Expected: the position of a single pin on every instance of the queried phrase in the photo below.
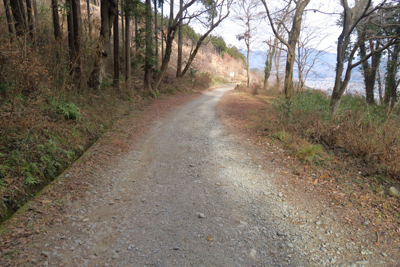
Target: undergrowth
(365, 131)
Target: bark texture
(108, 11)
(18, 11)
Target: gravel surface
(190, 194)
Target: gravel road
(190, 194)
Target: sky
(325, 22)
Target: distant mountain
(323, 68)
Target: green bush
(69, 110)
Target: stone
(394, 192)
(253, 254)
(201, 215)
(366, 252)
(45, 253)
(384, 254)
(280, 234)
(367, 222)
(176, 248)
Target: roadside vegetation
(350, 162)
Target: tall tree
(162, 29)
(35, 10)
(128, 43)
(391, 82)
(10, 23)
(70, 25)
(88, 16)
(149, 60)
(248, 18)
(171, 31)
(76, 18)
(30, 20)
(180, 40)
(290, 42)
(218, 11)
(116, 51)
(56, 20)
(108, 11)
(18, 11)
(369, 70)
(155, 29)
(360, 14)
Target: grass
(367, 132)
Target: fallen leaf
(315, 181)
(210, 238)
(325, 176)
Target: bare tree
(248, 18)
(362, 13)
(292, 36)
(173, 24)
(308, 53)
(218, 12)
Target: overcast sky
(229, 29)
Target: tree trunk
(127, 46)
(368, 71)
(35, 10)
(290, 59)
(136, 34)
(380, 87)
(56, 20)
(76, 17)
(268, 63)
(168, 48)
(277, 65)
(198, 45)
(391, 82)
(30, 20)
(70, 23)
(88, 16)
(108, 10)
(18, 11)
(155, 30)
(180, 37)
(162, 29)
(293, 36)
(149, 50)
(248, 66)
(116, 51)
(10, 23)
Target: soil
(183, 185)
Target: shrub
(364, 131)
(69, 110)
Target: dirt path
(190, 194)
